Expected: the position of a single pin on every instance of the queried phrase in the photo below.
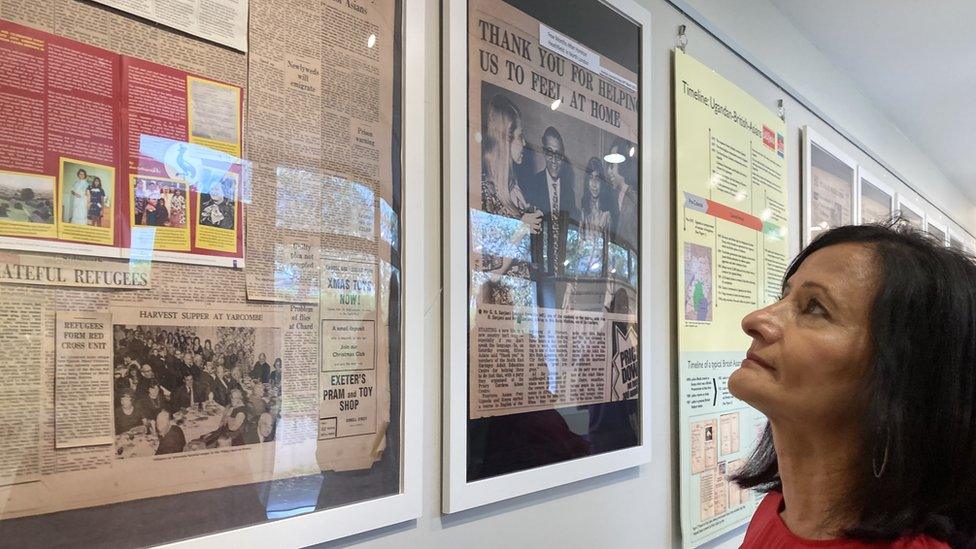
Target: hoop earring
(884, 463)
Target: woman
(96, 201)
(127, 414)
(866, 369)
(154, 401)
(76, 210)
(502, 148)
(232, 423)
(596, 206)
(156, 213)
(275, 377)
(208, 352)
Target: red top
(767, 531)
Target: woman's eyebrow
(810, 284)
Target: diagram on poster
(732, 246)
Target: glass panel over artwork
(554, 233)
(200, 266)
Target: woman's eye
(814, 307)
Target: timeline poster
(732, 221)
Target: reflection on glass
(349, 208)
(389, 225)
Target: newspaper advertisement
(553, 218)
(732, 248)
(322, 117)
(220, 21)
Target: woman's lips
(753, 357)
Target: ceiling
(915, 60)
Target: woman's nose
(764, 324)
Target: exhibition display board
(548, 345)
(732, 222)
(204, 260)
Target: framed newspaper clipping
(547, 272)
(829, 185)
(911, 212)
(186, 400)
(875, 198)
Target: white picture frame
(865, 176)
(937, 229)
(813, 139)
(912, 208)
(458, 493)
(957, 238)
(335, 523)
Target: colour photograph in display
(27, 204)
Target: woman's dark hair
(595, 168)
(918, 470)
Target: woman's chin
(746, 385)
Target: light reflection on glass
(499, 236)
(389, 225)
(349, 208)
(298, 199)
(200, 166)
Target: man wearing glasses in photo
(551, 192)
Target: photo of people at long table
(183, 389)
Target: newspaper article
(321, 113)
(21, 358)
(553, 219)
(83, 376)
(220, 21)
(157, 395)
(261, 400)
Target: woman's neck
(817, 468)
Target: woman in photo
(76, 206)
(503, 146)
(156, 214)
(96, 201)
(596, 206)
(275, 377)
(215, 211)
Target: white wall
(637, 507)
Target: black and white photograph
(561, 233)
(189, 388)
